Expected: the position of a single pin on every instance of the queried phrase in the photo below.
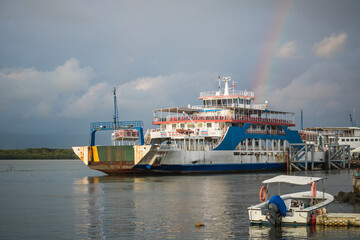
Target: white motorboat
(294, 208)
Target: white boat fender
(313, 190)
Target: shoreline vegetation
(37, 153)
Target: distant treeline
(38, 153)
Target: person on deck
(356, 179)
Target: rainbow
(266, 63)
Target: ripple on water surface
(67, 200)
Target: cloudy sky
(59, 61)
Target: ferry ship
(227, 133)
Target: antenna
(302, 120)
(219, 84)
(352, 121)
(354, 118)
(233, 86)
(116, 112)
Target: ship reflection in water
(89, 207)
(303, 232)
(286, 232)
(161, 207)
(58, 200)
(157, 207)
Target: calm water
(67, 200)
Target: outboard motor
(274, 215)
(277, 209)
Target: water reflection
(337, 232)
(90, 207)
(266, 232)
(156, 207)
(304, 232)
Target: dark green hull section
(115, 154)
(113, 159)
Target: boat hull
(213, 168)
(112, 159)
(300, 215)
(155, 159)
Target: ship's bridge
(227, 97)
(222, 93)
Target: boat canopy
(297, 180)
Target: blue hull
(203, 168)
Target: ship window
(343, 140)
(182, 125)
(241, 101)
(209, 125)
(356, 139)
(173, 126)
(199, 125)
(347, 140)
(352, 140)
(213, 103)
(236, 153)
(191, 125)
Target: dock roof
(331, 128)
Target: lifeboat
(184, 131)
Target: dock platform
(339, 219)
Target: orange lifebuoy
(313, 189)
(262, 193)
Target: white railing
(197, 106)
(210, 93)
(231, 92)
(174, 134)
(251, 106)
(241, 117)
(258, 106)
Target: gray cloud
(287, 50)
(29, 91)
(326, 92)
(327, 47)
(59, 60)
